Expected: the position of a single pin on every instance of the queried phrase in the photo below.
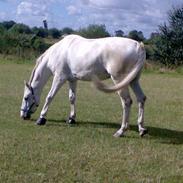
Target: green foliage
(119, 33)
(2, 29)
(39, 45)
(150, 46)
(8, 24)
(8, 43)
(94, 31)
(21, 45)
(149, 51)
(20, 28)
(136, 35)
(67, 30)
(54, 33)
(40, 32)
(22, 41)
(169, 43)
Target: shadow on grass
(54, 122)
(163, 135)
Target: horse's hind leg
(126, 104)
(56, 84)
(72, 99)
(141, 98)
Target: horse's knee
(142, 100)
(49, 99)
(72, 98)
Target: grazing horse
(76, 58)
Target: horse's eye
(26, 98)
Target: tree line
(164, 46)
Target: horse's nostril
(26, 118)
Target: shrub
(169, 43)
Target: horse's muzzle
(25, 116)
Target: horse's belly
(87, 75)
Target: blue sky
(144, 15)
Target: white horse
(76, 58)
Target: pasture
(87, 152)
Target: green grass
(87, 152)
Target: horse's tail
(133, 73)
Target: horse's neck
(41, 76)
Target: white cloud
(142, 15)
(115, 4)
(32, 8)
(73, 10)
(33, 12)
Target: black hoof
(41, 121)
(71, 121)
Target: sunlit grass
(87, 152)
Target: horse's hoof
(143, 132)
(71, 121)
(41, 121)
(119, 133)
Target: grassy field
(87, 152)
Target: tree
(119, 33)
(39, 45)
(136, 35)
(94, 31)
(154, 35)
(20, 28)
(55, 33)
(8, 24)
(150, 46)
(169, 44)
(2, 29)
(67, 30)
(8, 42)
(23, 43)
(40, 32)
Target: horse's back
(81, 57)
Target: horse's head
(29, 103)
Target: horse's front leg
(72, 99)
(56, 84)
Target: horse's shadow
(161, 134)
